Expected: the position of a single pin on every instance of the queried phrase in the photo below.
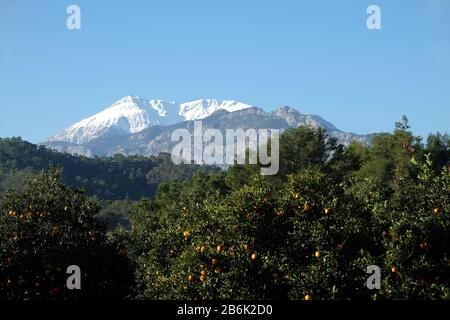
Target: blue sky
(317, 56)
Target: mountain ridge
(154, 137)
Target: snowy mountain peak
(128, 99)
(201, 109)
(127, 115)
(133, 114)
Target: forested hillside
(107, 178)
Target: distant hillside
(111, 178)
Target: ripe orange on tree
(306, 207)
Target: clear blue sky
(317, 56)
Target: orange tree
(312, 237)
(417, 253)
(218, 248)
(44, 229)
(258, 243)
(330, 231)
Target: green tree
(303, 148)
(438, 146)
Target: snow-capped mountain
(134, 126)
(133, 114)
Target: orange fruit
(436, 210)
(306, 207)
(203, 272)
(186, 234)
(190, 277)
(214, 261)
(66, 208)
(327, 210)
(202, 278)
(219, 248)
(308, 297)
(254, 256)
(393, 269)
(317, 254)
(295, 195)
